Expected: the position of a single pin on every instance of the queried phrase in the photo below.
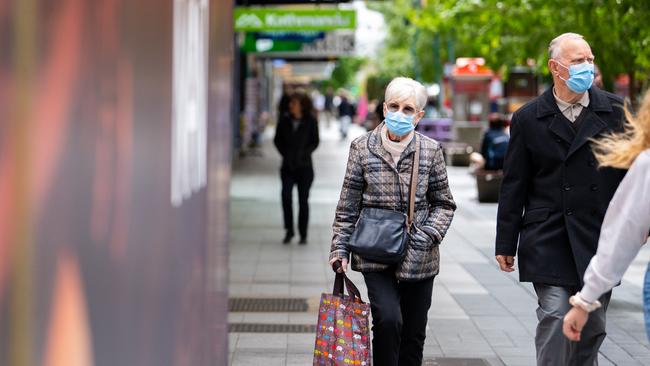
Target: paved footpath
(479, 316)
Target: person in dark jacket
(328, 109)
(347, 111)
(296, 138)
(553, 197)
(283, 104)
(495, 143)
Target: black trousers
(303, 178)
(399, 318)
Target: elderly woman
(378, 175)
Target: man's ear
(552, 67)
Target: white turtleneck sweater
(395, 148)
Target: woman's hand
(344, 264)
(574, 321)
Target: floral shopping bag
(342, 333)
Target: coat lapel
(410, 149)
(300, 130)
(591, 126)
(560, 127)
(375, 147)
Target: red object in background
(622, 85)
(471, 86)
(471, 67)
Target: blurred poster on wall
(190, 78)
(104, 138)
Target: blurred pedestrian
(319, 101)
(283, 104)
(553, 197)
(493, 146)
(598, 77)
(377, 115)
(329, 106)
(296, 138)
(627, 221)
(378, 173)
(346, 114)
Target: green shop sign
(262, 19)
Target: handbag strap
(339, 282)
(414, 184)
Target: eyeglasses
(406, 109)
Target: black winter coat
(296, 146)
(553, 197)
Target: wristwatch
(577, 300)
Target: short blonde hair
(620, 149)
(402, 88)
(556, 44)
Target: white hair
(556, 44)
(401, 88)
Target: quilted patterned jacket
(373, 180)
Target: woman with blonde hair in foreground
(627, 221)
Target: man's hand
(344, 264)
(506, 262)
(574, 321)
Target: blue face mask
(581, 76)
(399, 124)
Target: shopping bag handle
(342, 279)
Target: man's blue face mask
(581, 76)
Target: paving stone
(257, 359)
(257, 341)
(505, 351)
(481, 305)
(519, 360)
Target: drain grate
(272, 305)
(271, 328)
(445, 361)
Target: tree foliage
(344, 72)
(508, 32)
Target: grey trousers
(553, 348)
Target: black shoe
(303, 241)
(287, 238)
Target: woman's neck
(395, 138)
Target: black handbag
(381, 235)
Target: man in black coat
(553, 197)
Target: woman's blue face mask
(581, 76)
(399, 124)
(399, 121)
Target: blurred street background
(140, 207)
